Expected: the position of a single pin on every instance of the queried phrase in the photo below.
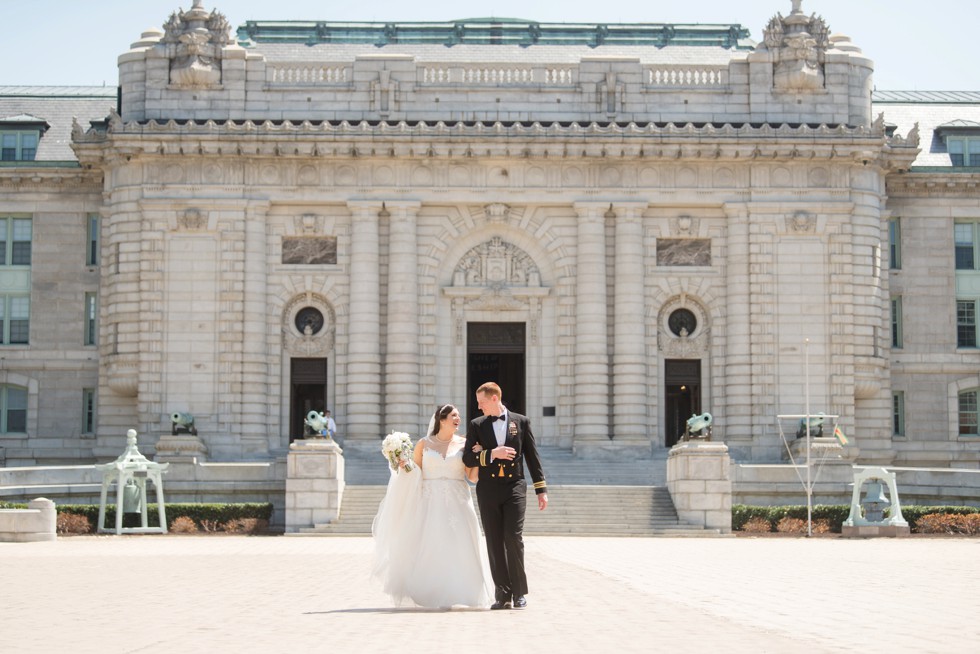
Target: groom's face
(488, 404)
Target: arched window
(968, 412)
(13, 409)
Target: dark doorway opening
(308, 392)
(682, 379)
(495, 351)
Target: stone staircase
(587, 497)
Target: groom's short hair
(490, 388)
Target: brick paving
(112, 594)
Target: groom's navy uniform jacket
(519, 437)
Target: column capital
(365, 205)
(402, 208)
(595, 209)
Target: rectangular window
(964, 150)
(92, 251)
(18, 146)
(895, 243)
(968, 413)
(15, 315)
(91, 315)
(963, 237)
(897, 321)
(15, 241)
(88, 410)
(13, 409)
(898, 413)
(966, 323)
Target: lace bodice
(436, 465)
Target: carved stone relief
(192, 220)
(196, 39)
(683, 344)
(496, 262)
(799, 44)
(801, 222)
(308, 343)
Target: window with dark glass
(88, 410)
(966, 323)
(18, 146)
(897, 321)
(92, 249)
(15, 241)
(898, 413)
(968, 413)
(895, 243)
(13, 409)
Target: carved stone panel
(684, 252)
(496, 262)
(309, 250)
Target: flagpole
(806, 383)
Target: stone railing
(713, 77)
(499, 75)
(306, 74)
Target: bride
(428, 548)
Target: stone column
(699, 481)
(629, 382)
(258, 436)
(737, 382)
(592, 429)
(364, 406)
(402, 358)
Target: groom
(506, 441)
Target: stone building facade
(622, 224)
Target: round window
(682, 322)
(309, 321)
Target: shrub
(788, 525)
(246, 526)
(940, 523)
(218, 514)
(914, 514)
(972, 522)
(821, 526)
(73, 523)
(183, 525)
(756, 525)
(210, 526)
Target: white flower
(397, 447)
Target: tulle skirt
(428, 548)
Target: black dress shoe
(520, 602)
(502, 604)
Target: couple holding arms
(428, 550)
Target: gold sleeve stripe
(540, 484)
(483, 458)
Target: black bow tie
(500, 417)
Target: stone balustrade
(306, 74)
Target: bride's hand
(477, 448)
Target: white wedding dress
(428, 548)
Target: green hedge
(12, 505)
(199, 513)
(835, 514)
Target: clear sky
(923, 45)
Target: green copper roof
(495, 31)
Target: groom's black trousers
(502, 507)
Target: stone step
(572, 511)
(562, 468)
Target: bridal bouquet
(397, 446)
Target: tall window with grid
(13, 409)
(968, 412)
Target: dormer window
(18, 146)
(20, 136)
(962, 142)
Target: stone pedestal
(35, 523)
(314, 483)
(700, 484)
(181, 448)
(821, 449)
(875, 531)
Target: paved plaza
(112, 594)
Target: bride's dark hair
(442, 412)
